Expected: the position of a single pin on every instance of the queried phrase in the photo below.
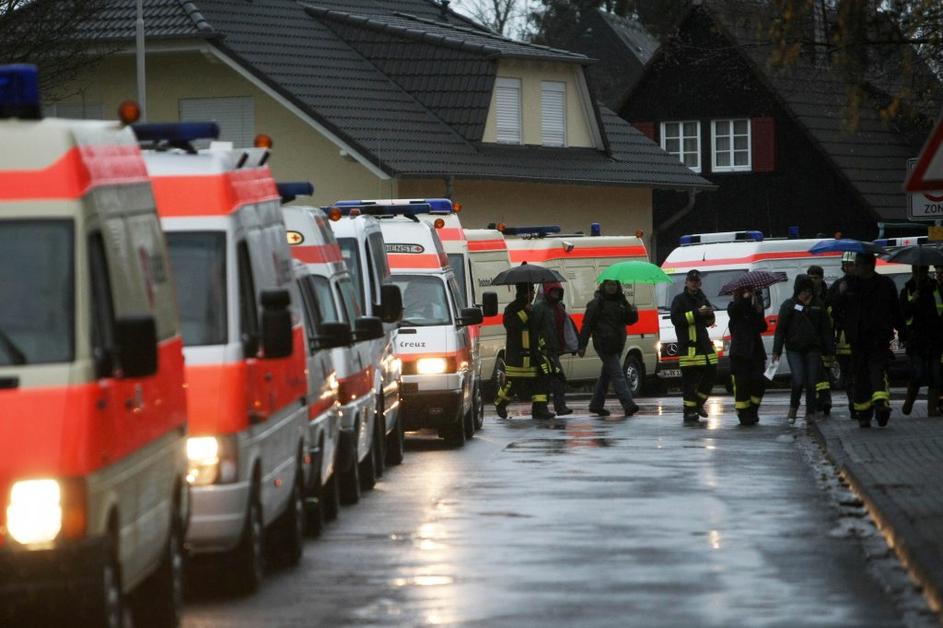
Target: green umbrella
(634, 271)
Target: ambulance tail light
(291, 190)
(19, 92)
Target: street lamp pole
(142, 81)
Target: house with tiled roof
(391, 98)
(780, 143)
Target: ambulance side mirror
(334, 335)
(391, 304)
(136, 337)
(470, 316)
(277, 337)
(489, 306)
(368, 328)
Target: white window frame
(246, 123)
(748, 167)
(554, 87)
(89, 110)
(663, 136)
(509, 137)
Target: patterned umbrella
(756, 279)
(527, 273)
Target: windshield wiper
(409, 323)
(18, 357)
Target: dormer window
(508, 104)
(553, 112)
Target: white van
(488, 256)
(244, 346)
(329, 290)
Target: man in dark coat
(842, 346)
(823, 387)
(526, 369)
(550, 317)
(692, 314)
(747, 354)
(921, 301)
(606, 318)
(871, 312)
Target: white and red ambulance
(329, 289)
(94, 502)
(580, 259)
(433, 341)
(244, 346)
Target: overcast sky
(465, 8)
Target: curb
(892, 522)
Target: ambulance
(244, 348)
(94, 502)
(370, 390)
(580, 259)
(722, 257)
(433, 342)
(330, 291)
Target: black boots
(882, 411)
(911, 397)
(934, 406)
(748, 417)
(563, 411)
(599, 411)
(539, 410)
(501, 409)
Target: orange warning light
(129, 112)
(263, 141)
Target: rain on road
(583, 521)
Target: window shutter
(553, 112)
(763, 132)
(235, 117)
(508, 114)
(646, 128)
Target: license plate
(670, 373)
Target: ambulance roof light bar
(19, 92)
(902, 241)
(176, 134)
(399, 207)
(725, 236)
(533, 232)
(291, 190)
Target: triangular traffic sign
(927, 174)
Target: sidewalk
(898, 472)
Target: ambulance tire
(248, 567)
(468, 421)
(106, 606)
(379, 440)
(395, 444)
(349, 480)
(454, 434)
(635, 374)
(290, 527)
(330, 502)
(367, 472)
(159, 600)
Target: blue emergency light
(291, 190)
(176, 133)
(532, 231)
(19, 92)
(595, 229)
(793, 232)
(409, 208)
(718, 238)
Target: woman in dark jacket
(806, 332)
(747, 354)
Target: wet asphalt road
(582, 522)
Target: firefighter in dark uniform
(747, 354)
(527, 370)
(842, 346)
(921, 300)
(870, 310)
(823, 387)
(692, 314)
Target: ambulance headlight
(34, 513)
(211, 460)
(718, 345)
(432, 366)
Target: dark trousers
(869, 365)
(804, 366)
(925, 369)
(558, 384)
(696, 385)
(823, 386)
(611, 372)
(847, 378)
(749, 383)
(521, 388)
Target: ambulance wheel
(349, 480)
(249, 568)
(368, 477)
(330, 501)
(290, 528)
(106, 607)
(395, 444)
(479, 408)
(635, 374)
(468, 421)
(500, 373)
(455, 433)
(160, 598)
(379, 441)
(314, 510)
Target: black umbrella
(527, 273)
(755, 279)
(918, 255)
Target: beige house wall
(300, 152)
(619, 210)
(580, 122)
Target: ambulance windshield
(37, 288)
(425, 302)
(199, 262)
(457, 262)
(711, 283)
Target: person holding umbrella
(842, 346)
(921, 301)
(747, 354)
(692, 314)
(551, 318)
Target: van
(370, 390)
(433, 341)
(94, 503)
(580, 259)
(329, 291)
(244, 347)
